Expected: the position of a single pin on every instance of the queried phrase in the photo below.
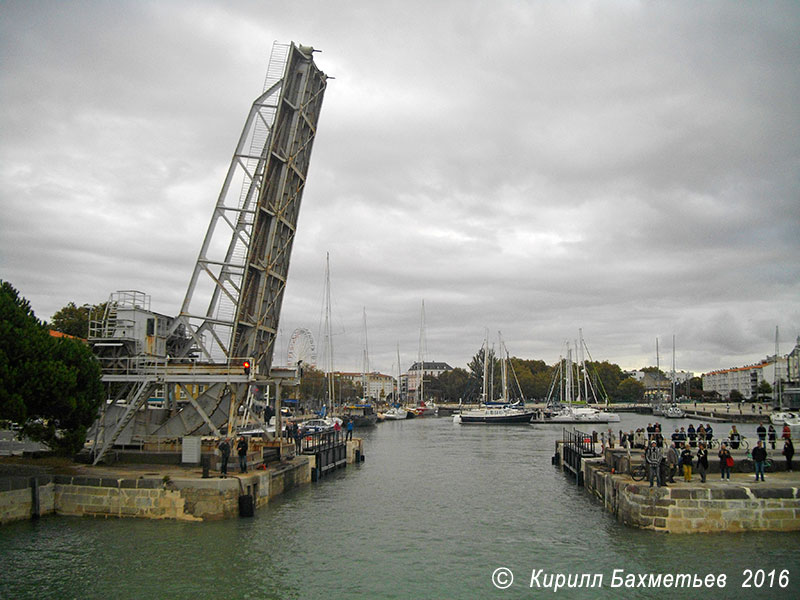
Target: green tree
(630, 390)
(312, 385)
(51, 386)
(72, 320)
(764, 390)
(451, 386)
(606, 376)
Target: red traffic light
(246, 366)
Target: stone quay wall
(185, 499)
(687, 508)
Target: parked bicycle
(639, 472)
(746, 465)
(716, 442)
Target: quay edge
(740, 504)
(153, 491)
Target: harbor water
(435, 511)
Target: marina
(432, 513)
(189, 454)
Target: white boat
(396, 413)
(571, 393)
(578, 414)
(423, 408)
(320, 424)
(673, 411)
(783, 417)
(501, 412)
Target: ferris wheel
(302, 348)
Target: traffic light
(246, 366)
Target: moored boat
(396, 413)
(502, 412)
(571, 392)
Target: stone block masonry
(166, 497)
(737, 505)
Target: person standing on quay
(241, 447)
(759, 456)
(298, 437)
(725, 461)
(735, 437)
(788, 452)
(224, 455)
(762, 433)
(772, 435)
(702, 461)
(672, 461)
(652, 457)
(686, 462)
(349, 435)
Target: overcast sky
(628, 168)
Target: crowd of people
(688, 447)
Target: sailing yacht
(673, 411)
(396, 412)
(363, 414)
(498, 412)
(423, 409)
(573, 388)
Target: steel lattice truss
(233, 301)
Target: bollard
(35, 505)
(205, 461)
(246, 505)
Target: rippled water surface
(433, 511)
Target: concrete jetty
(151, 491)
(738, 504)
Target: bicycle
(639, 472)
(746, 465)
(716, 442)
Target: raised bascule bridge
(202, 372)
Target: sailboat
(325, 414)
(423, 408)
(781, 416)
(363, 413)
(673, 411)
(396, 412)
(497, 412)
(572, 388)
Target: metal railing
(311, 443)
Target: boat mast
(583, 368)
(397, 393)
(365, 363)
(328, 343)
(673, 368)
(777, 381)
(484, 389)
(568, 378)
(659, 395)
(421, 386)
(504, 366)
